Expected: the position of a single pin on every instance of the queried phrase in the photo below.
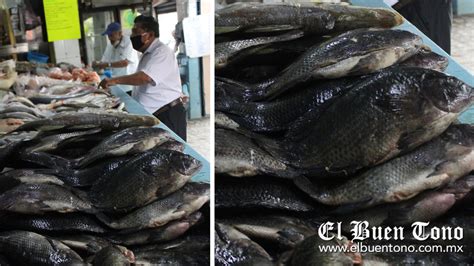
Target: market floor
(199, 135)
(462, 36)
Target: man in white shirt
(119, 54)
(157, 81)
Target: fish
(255, 17)
(178, 205)
(262, 193)
(74, 121)
(99, 172)
(148, 176)
(285, 231)
(307, 252)
(237, 155)
(18, 107)
(128, 141)
(48, 98)
(52, 222)
(442, 160)
(164, 257)
(114, 255)
(173, 145)
(41, 198)
(10, 144)
(280, 114)
(28, 248)
(425, 58)
(19, 115)
(160, 234)
(15, 177)
(353, 53)
(349, 17)
(53, 142)
(190, 242)
(234, 248)
(9, 124)
(84, 243)
(225, 52)
(407, 106)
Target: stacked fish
(325, 113)
(100, 188)
(39, 97)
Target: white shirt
(160, 64)
(123, 51)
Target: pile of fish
(326, 113)
(100, 188)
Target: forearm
(121, 63)
(135, 79)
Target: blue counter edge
(134, 107)
(454, 68)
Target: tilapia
(19, 115)
(53, 142)
(189, 242)
(255, 17)
(406, 106)
(223, 121)
(100, 172)
(40, 198)
(74, 121)
(84, 243)
(147, 176)
(427, 59)
(52, 222)
(173, 145)
(260, 192)
(237, 155)
(176, 206)
(160, 234)
(285, 231)
(227, 51)
(438, 162)
(279, 114)
(164, 257)
(128, 141)
(114, 255)
(308, 253)
(234, 248)
(28, 248)
(353, 53)
(13, 178)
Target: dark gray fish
(160, 234)
(223, 121)
(10, 144)
(173, 145)
(19, 115)
(148, 176)
(255, 17)
(308, 253)
(259, 192)
(237, 155)
(164, 257)
(40, 198)
(52, 222)
(178, 205)
(225, 52)
(285, 231)
(84, 243)
(20, 108)
(279, 114)
(407, 107)
(74, 121)
(47, 98)
(442, 160)
(28, 248)
(187, 243)
(234, 248)
(353, 53)
(427, 59)
(15, 177)
(100, 172)
(114, 255)
(53, 142)
(126, 142)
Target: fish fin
(290, 236)
(237, 91)
(351, 207)
(407, 140)
(307, 186)
(273, 147)
(104, 219)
